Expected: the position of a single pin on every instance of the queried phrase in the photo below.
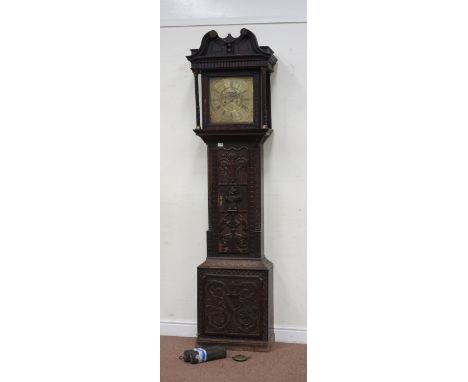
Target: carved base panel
(235, 304)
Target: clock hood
(231, 52)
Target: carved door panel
(233, 229)
(233, 303)
(234, 195)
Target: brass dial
(231, 100)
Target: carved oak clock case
(235, 283)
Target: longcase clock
(235, 283)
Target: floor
(284, 363)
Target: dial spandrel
(231, 100)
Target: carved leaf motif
(233, 166)
(233, 233)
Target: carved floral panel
(233, 165)
(233, 233)
(232, 199)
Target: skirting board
(189, 329)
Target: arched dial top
(231, 99)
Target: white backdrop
(216, 12)
(184, 218)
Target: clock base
(235, 304)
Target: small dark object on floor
(200, 355)
(240, 358)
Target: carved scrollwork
(231, 305)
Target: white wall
(184, 217)
(219, 12)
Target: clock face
(231, 100)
